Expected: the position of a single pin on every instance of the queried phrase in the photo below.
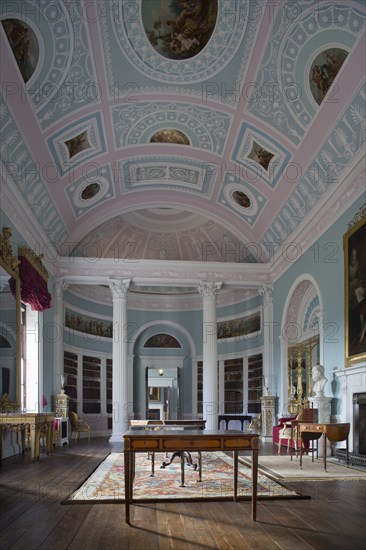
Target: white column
(266, 293)
(120, 360)
(58, 320)
(209, 292)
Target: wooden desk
(240, 417)
(193, 440)
(36, 422)
(333, 431)
(166, 424)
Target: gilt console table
(37, 423)
(191, 440)
(334, 431)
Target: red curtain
(34, 290)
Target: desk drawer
(313, 429)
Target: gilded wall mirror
(10, 316)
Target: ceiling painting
(24, 45)
(170, 136)
(179, 29)
(324, 70)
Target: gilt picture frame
(354, 245)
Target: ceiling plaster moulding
(328, 209)
(179, 221)
(103, 296)
(24, 221)
(84, 271)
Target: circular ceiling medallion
(176, 29)
(241, 199)
(90, 191)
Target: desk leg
(33, 440)
(49, 437)
(254, 483)
(182, 468)
(300, 451)
(235, 475)
(152, 464)
(325, 452)
(128, 481)
(199, 466)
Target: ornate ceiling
(180, 130)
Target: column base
(116, 438)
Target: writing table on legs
(334, 431)
(192, 440)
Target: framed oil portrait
(354, 244)
(154, 393)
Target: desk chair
(290, 431)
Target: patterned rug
(106, 483)
(282, 469)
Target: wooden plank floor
(33, 517)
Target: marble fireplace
(352, 382)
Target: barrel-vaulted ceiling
(179, 129)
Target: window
(31, 359)
(233, 386)
(91, 385)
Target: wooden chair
(290, 432)
(78, 426)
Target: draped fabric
(34, 290)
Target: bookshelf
(255, 383)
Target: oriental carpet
(106, 483)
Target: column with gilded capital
(120, 360)
(59, 287)
(268, 378)
(209, 292)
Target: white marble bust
(319, 380)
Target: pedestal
(323, 405)
(62, 416)
(61, 431)
(268, 415)
(62, 405)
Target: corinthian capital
(59, 286)
(267, 294)
(119, 288)
(208, 290)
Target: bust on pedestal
(319, 401)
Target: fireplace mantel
(352, 380)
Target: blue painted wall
(324, 260)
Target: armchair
(289, 432)
(78, 426)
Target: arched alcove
(162, 365)
(301, 337)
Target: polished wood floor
(32, 516)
